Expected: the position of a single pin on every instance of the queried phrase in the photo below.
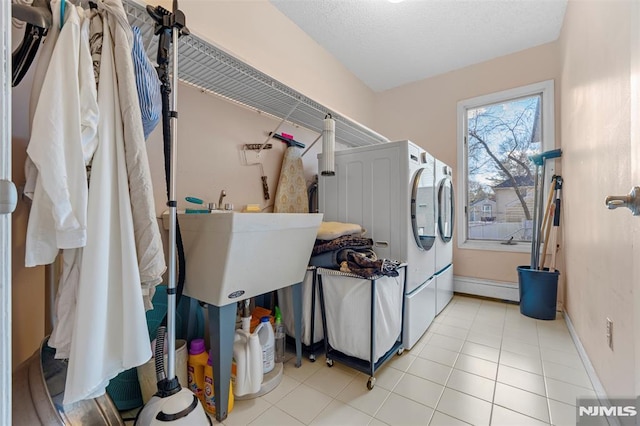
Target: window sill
(520, 247)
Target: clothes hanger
(63, 4)
(38, 20)
(37, 14)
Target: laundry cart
(362, 318)
(312, 330)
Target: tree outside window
(500, 134)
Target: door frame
(635, 173)
(5, 219)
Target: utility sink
(232, 256)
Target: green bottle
(280, 337)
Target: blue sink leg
(222, 323)
(297, 320)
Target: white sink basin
(233, 256)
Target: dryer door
(423, 215)
(445, 209)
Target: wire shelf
(210, 69)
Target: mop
(556, 223)
(539, 160)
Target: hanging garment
(31, 23)
(149, 248)
(16, 22)
(30, 169)
(44, 57)
(291, 194)
(148, 85)
(65, 304)
(62, 139)
(110, 332)
(95, 42)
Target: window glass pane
(500, 139)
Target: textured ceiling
(389, 44)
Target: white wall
(425, 112)
(211, 135)
(596, 143)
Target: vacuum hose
(159, 353)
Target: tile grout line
(444, 387)
(495, 382)
(544, 380)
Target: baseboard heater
(487, 288)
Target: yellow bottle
(209, 396)
(195, 367)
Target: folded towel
(332, 230)
(367, 267)
(332, 259)
(346, 241)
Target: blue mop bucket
(538, 292)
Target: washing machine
(445, 208)
(389, 189)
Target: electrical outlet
(610, 333)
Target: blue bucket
(538, 292)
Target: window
(496, 135)
(486, 212)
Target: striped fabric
(148, 85)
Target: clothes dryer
(444, 243)
(389, 189)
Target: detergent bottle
(267, 341)
(196, 364)
(246, 370)
(209, 395)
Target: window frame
(546, 90)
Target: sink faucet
(223, 194)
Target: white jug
(247, 354)
(264, 330)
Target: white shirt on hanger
(110, 333)
(65, 305)
(62, 137)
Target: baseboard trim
(487, 288)
(599, 390)
(591, 372)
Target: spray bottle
(279, 337)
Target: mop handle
(538, 159)
(558, 202)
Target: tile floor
(481, 362)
